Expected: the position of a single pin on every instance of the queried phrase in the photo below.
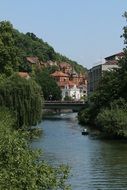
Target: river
(95, 164)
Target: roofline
(95, 67)
(114, 55)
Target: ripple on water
(95, 164)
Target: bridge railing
(64, 102)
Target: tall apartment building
(96, 72)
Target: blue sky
(83, 30)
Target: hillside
(30, 45)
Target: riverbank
(111, 121)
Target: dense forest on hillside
(30, 45)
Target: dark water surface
(95, 164)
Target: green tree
(24, 98)
(8, 51)
(51, 90)
(101, 98)
(52, 69)
(20, 168)
(113, 120)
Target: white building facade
(72, 92)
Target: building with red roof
(68, 85)
(60, 76)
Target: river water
(95, 164)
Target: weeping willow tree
(24, 98)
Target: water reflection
(95, 164)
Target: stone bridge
(58, 105)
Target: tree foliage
(24, 98)
(101, 98)
(8, 50)
(51, 90)
(20, 168)
(114, 119)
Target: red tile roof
(59, 74)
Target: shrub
(68, 98)
(113, 121)
(88, 114)
(84, 116)
(20, 167)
